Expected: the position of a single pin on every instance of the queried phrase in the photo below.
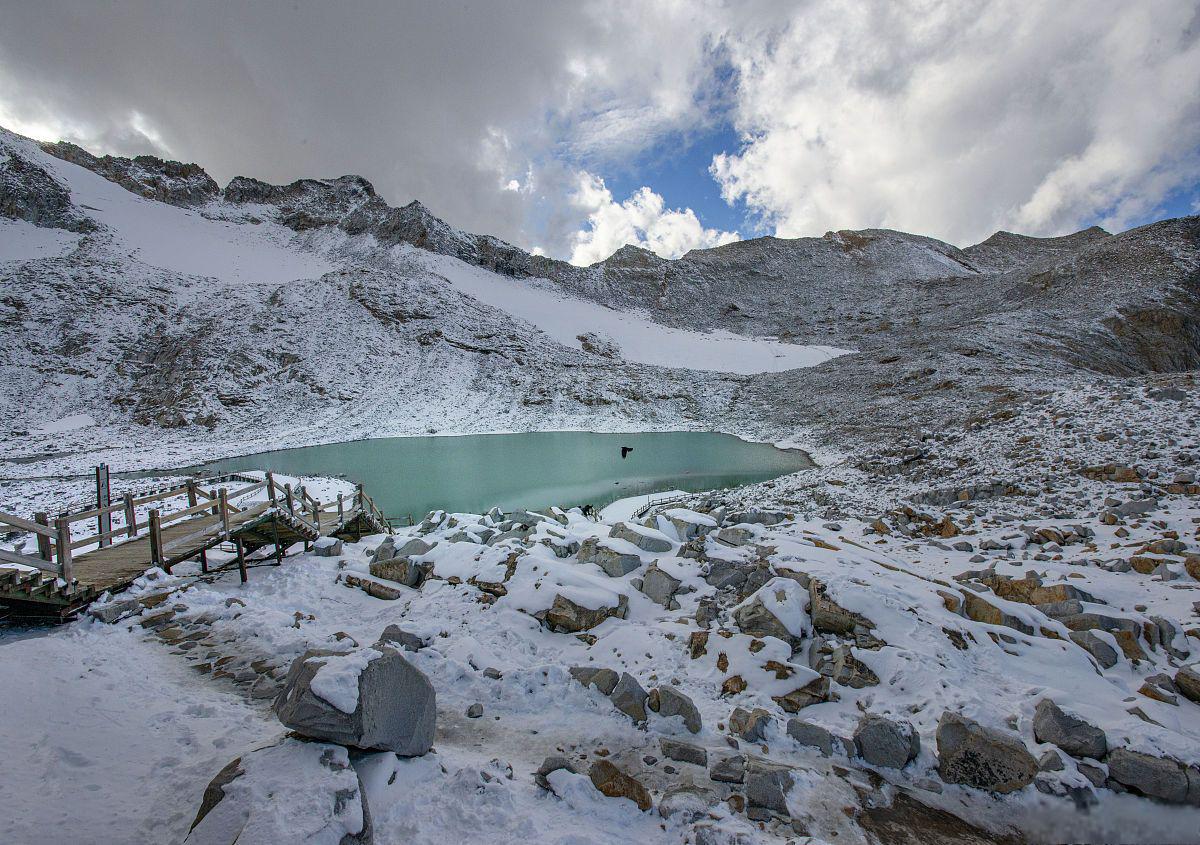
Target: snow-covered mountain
(141, 295)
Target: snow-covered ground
(638, 337)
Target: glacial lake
(414, 475)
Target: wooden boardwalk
(59, 583)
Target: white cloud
(959, 119)
(642, 220)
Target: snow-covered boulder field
(794, 675)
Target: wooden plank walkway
(287, 517)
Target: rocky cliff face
(147, 176)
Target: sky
(573, 128)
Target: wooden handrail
(26, 525)
(245, 491)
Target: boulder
(672, 702)
(385, 550)
(985, 758)
(660, 587)
(292, 791)
(614, 783)
(646, 539)
(604, 680)
(369, 698)
(806, 733)
(629, 697)
(1156, 777)
(735, 536)
(686, 804)
(814, 691)
(327, 547)
(750, 725)
(1191, 565)
(756, 620)
(397, 636)
(767, 786)
(684, 752)
(1187, 681)
(828, 616)
(569, 617)
(843, 668)
(1070, 733)
(615, 564)
(729, 769)
(552, 764)
(887, 743)
(114, 610)
(402, 570)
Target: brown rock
(698, 644)
(1191, 565)
(733, 685)
(814, 692)
(614, 783)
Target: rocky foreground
(1007, 660)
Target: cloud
(445, 102)
(946, 118)
(957, 119)
(642, 220)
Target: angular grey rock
(767, 518)
(672, 702)
(385, 550)
(767, 786)
(321, 788)
(729, 769)
(1155, 777)
(806, 733)
(984, 758)
(684, 752)
(629, 697)
(395, 635)
(414, 548)
(755, 620)
(643, 538)
(686, 804)
(1070, 733)
(735, 536)
(552, 764)
(750, 725)
(475, 711)
(884, 742)
(1104, 653)
(567, 616)
(396, 708)
(602, 679)
(1051, 761)
(615, 564)
(114, 611)
(327, 547)
(658, 586)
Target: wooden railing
(55, 545)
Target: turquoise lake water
(413, 475)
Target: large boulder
(602, 679)
(671, 702)
(291, 792)
(984, 758)
(370, 698)
(767, 786)
(828, 616)
(754, 619)
(402, 570)
(1097, 647)
(750, 725)
(814, 691)
(614, 563)
(614, 783)
(1187, 681)
(629, 697)
(806, 733)
(660, 587)
(571, 617)
(646, 539)
(1070, 733)
(1156, 777)
(884, 742)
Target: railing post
(341, 511)
(271, 488)
(191, 492)
(316, 507)
(156, 553)
(43, 518)
(223, 508)
(103, 500)
(63, 543)
(291, 502)
(241, 560)
(130, 516)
